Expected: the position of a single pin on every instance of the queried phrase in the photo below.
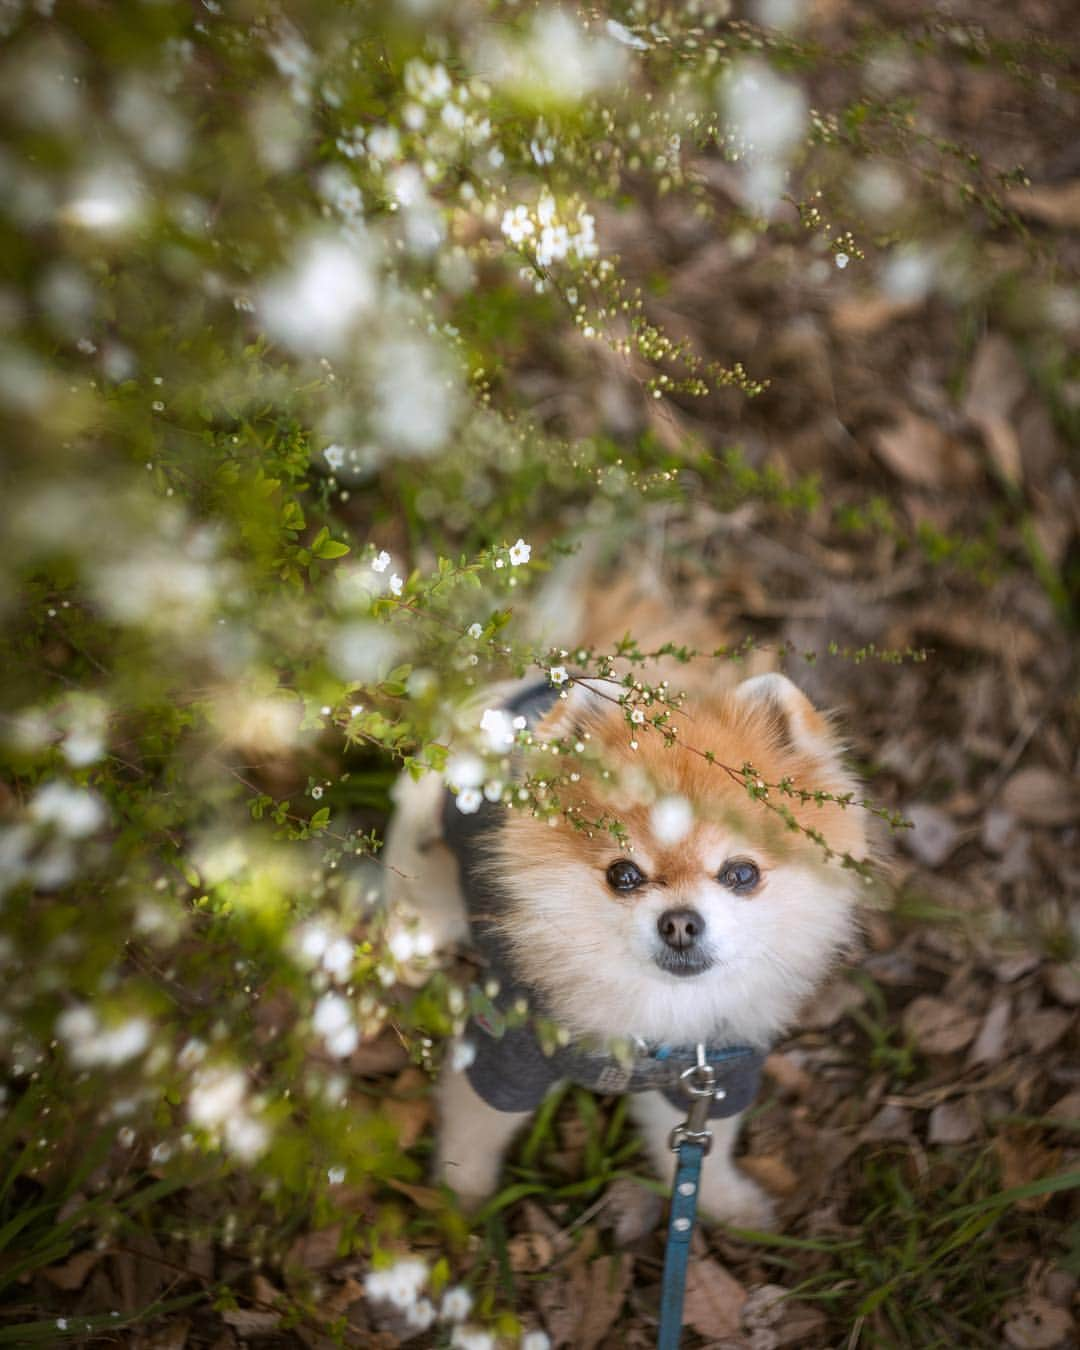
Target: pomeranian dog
(704, 920)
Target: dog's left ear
(587, 703)
(795, 721)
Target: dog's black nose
(681, 928)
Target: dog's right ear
(587, 703)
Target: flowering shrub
(289, 293)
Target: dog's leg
(424, 900)
(726, 1193)
(473, 1138)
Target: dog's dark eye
(625, 875)
(739, 875)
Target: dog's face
(713, 920)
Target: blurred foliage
(272, 282)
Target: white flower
(469, 1338)
(396, 584)
(558, 674)
(671, 819)
(421, 1314)
(73, 811)
(456, 1305)
(535, 1340)
(314, 305)
(520, 552)
(316, 792)
(216, 1097)
(520, 723)
(399, 1284)
(493, 791)
(637, 716)
(623, 34)
(334, 456)
(462, 1055)
(498, 727)
(333, 1021)
(246, 1137)
(468, 801)
(381, 563)
(338, 959)
(842, 260)
(335, 1175)
(475, 630)
(517, 225)
(464, 771)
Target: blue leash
(691, 1142)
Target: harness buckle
(699, 1083)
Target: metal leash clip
(699, 1083)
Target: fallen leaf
(1056, 204)
(530, 1252)
(71, 1274)
(836, 999)
(632, 1210)
(714, 1300)
(1067, 1107)
(1040, 796)
(1038, 1324)
(771, 1171)
(580, 1309)
(409, 1106)
(1024, 1159)
(171, 1337)
(317, 1250)
(1043, 1029)
(891, 1122)
(787, 1074)
(248, 1322)
(1063, 981)
(864, 315)
(424, 1197)
(953, 1122)
(993, 1035)
(920, 452)
(938, 1027)
(934, 837)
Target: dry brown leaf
(836, 999)
(787, 1074)
(864, 315)
(953, 1122)
(938, 1027)
(631, 1209)
(1040, 796)
(1066, 1108)
(317, 1250)
(424, 1197)
(384, 1054)
(1043, 1029)
(995, 386)
(409, 1106)
(580, 1309)
(71, 1274)
(249, 1322)
(171, 1337)
(891, 1122)
(1063, 981)
(1024, 1159)
(993, 1035)
(1056, 204)
(934, 837)
(772, 1172)
(921, 453)
(1038, 1324)
(714, 1300)
(530, 1252)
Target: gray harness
(510, 1069)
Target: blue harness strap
(684, 1197)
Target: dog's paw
(733, 1198)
